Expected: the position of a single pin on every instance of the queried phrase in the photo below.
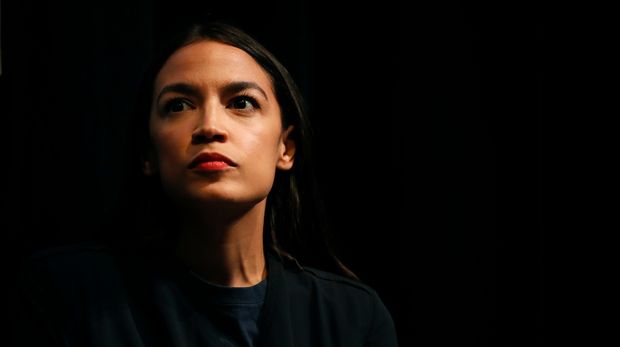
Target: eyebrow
(236, 87)
(182, 88)
(229, 88)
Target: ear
(149, 165)
(286, 149)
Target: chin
(224, 197)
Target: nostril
(218, 137)
(204, 138)
(199, 138)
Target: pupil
(177, 107)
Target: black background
(430, 141)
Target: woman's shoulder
(68, 267)
(65, 258)
(327, 283)
(340, 298)
(327, 280)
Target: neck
(222, 249)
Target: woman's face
(216, 128)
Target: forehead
(209, 62)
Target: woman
(224, 148)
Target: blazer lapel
(275, 329)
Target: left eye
(177, 105)
(243, 103)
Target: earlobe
(287, 150)
(147, 168)
(149, 163)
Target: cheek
(169, 146)
(261, 153)
(264, 146)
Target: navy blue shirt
(235, 310)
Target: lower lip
(210, 166)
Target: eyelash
(172, 102)
(249, 98)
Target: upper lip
(210, 156)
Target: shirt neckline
(219, 294)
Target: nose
(210, 127)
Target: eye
(177, 105)
(244, 102)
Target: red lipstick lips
(211, 161)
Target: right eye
(177, 105)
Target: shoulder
(350, 294)
(327, 284)
(68, 269)
(64, 292)
(342, 299)
(68, 258)
(59, 253)
(335, 291)
(329, 280)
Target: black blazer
(102, 296)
